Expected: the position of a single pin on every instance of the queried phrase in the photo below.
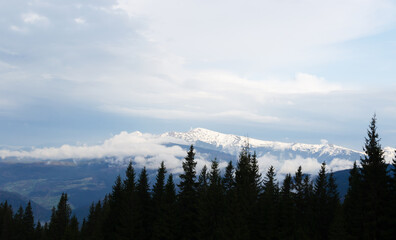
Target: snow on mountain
(149, 150)
(232, 143)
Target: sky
(80, 72)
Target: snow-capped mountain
(149, 150)
(232, 143)
(88, 172)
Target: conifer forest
(234, 203)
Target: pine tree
(299, 202)
(6, 221)
(308, 209)
(72, 231)
(144, 207)
(159, 205)
(129, 203)
(212, 206)
(115, 227)
(171, 226)
(229, 179)
(269, 205)
(353, 207)
(60, 218)
(28, 222)
(246, 197)
(320, 204)
(287, 210)
(188, 210)
(375, 186)
(255, 174)
(231, 223)
(18, 230)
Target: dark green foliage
(187, 198)
(211, 204)
(170, 229)
(143, 226)
(287, 220)
(246, 193)
(239, 205)
(60, 219)
(159, 205)
(28, 222)
(269, 206)
(375, 186)
(353, 206)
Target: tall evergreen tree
(308, 206)
(28, 222)
(129, 202)
(245, 211)
(231, 223)
(353, 205)
(321, 214)
(188, 211)
(60, 218)
(299, 202)
(115, 227)
(269, 206)
(229, 178)
(375, 188)
(144, 210)
(171, 226)
(211, 206)
(159, 204)
(287, 219)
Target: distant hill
(17, 200)
(35, 175)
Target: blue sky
(75, 72)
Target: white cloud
(34, 18)
(308, 165)
(340, 164)
(80, 20)
(262, 33)
(211, 61)
(147, 149)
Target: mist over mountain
(87, 173)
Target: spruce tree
(6, 221)
(212, 206)
(18, 230)
(187, 202)
(246, 197)
(375, 182)
(321, 214)
(287, 219)
(129, 202)
(143, 230)
(231, 223)
(269, 206)
(159, 205)
(171, 226)
(28, 222)
(308, 208)
(229, 179)
(60, 218)
(353, 205)
(115, 227)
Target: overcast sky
(79, 72)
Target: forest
(237, 203)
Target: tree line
(238, 204)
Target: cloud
(260, 34)
(240, 64)
(33, 18)
(147, 149)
